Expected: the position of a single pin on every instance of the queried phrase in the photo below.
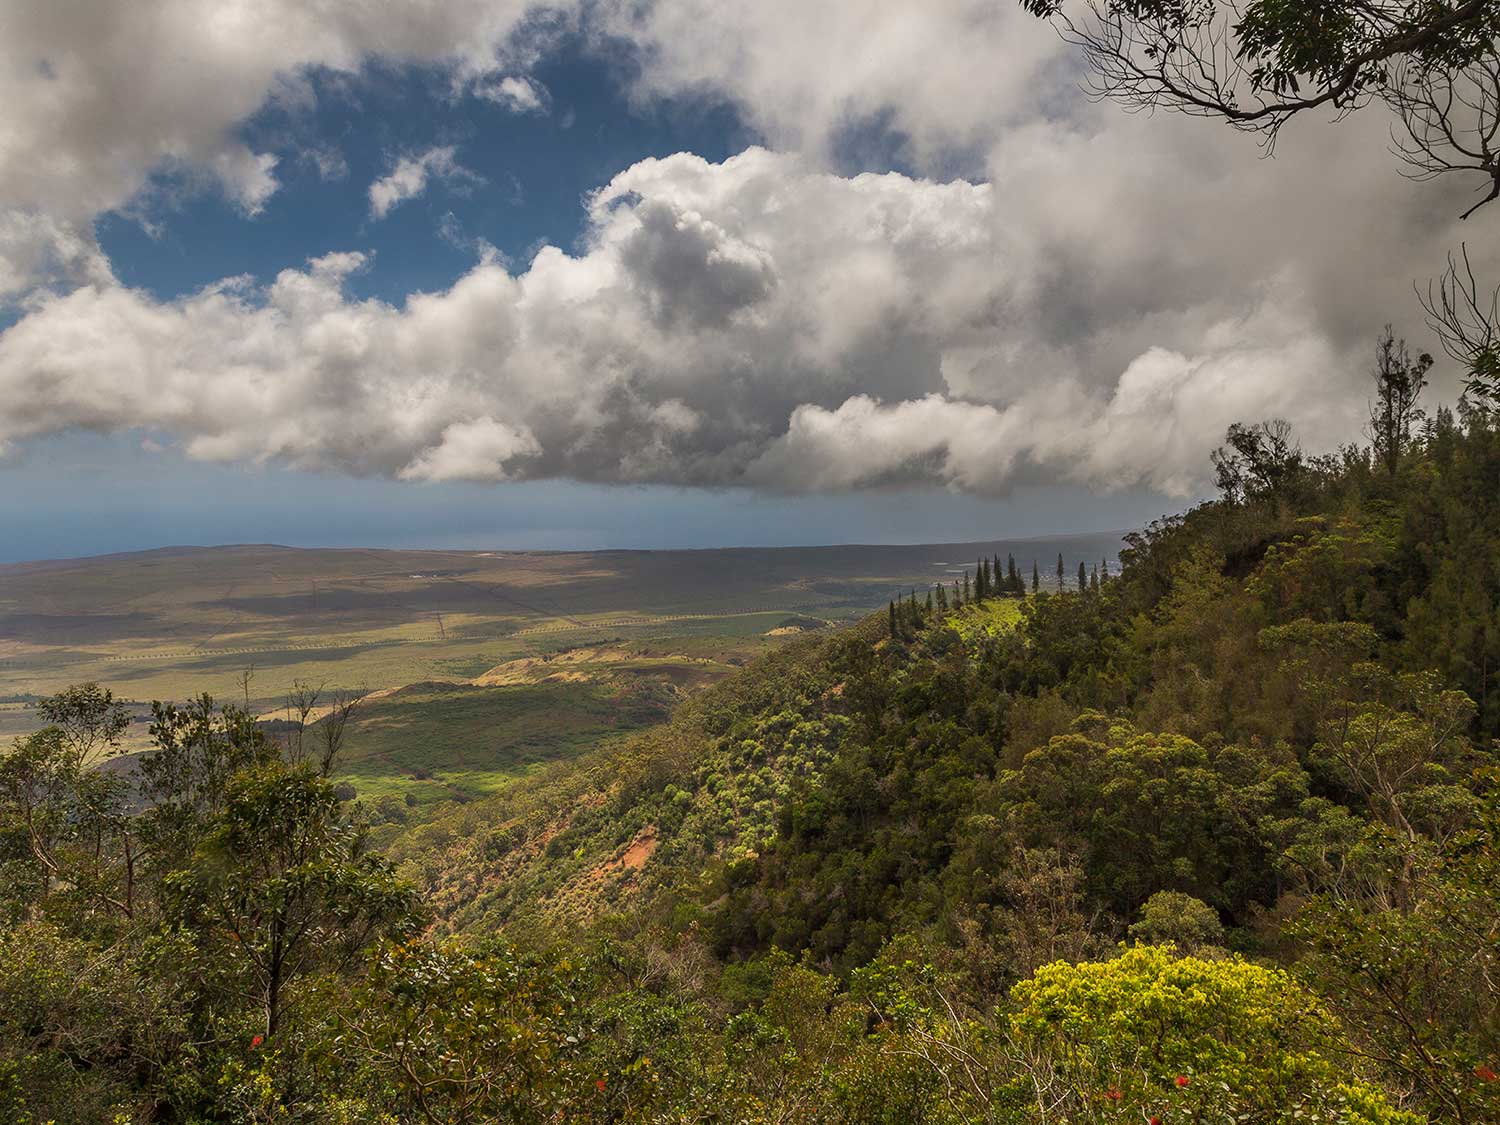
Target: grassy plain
(427, 629)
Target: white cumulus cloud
(516, 93)
(479, 450)
(757, 321)
(410, 175)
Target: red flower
(601, 1084)
(256, 1041)
(1181, 1080)
(1485, 1073)
(1156, 1121)
(1113, 1093)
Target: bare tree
(318, 728)
(1466, 318)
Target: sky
(488, 273)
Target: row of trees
(991, 581)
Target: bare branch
(1466, 319)
(1449, 121)
(1256, 65)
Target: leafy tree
(1325, 571)
(1399, 380)
(1151, 1034)
(465, 1035)
(1400, 756)
(281, 887)
(89, 721)
(85, 1030)
(1415, 980)
(1173, 918)
(1258, 462)
(1153, 812)
(66, 818)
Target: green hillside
(1212, 839)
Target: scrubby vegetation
(1212, 839)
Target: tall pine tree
(1036, 578)
(1060, 571)
(1083, 577)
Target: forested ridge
(1211, 839)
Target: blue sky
(534, 169)
(653, 274)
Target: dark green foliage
(280, 887)
(1399, 380)
(1170, 917)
